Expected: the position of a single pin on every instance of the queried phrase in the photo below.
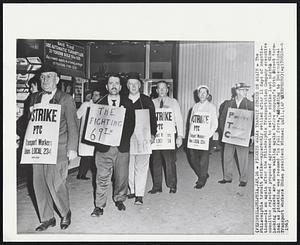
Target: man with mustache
(114, 160)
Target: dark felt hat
(133, 75)
(48, 67)
(241, 85)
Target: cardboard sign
(238, 127)
(165, 137)
(140, 140)
(41, 138)
(104, 124)
(199, 131)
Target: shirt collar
(238, 101)
(134, 97)
(204, 103)
(116, 98)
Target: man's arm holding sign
(214, 121)
(153, 120)
(73, 128)
(178, 123)
(129, 121)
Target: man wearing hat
(49, 180)
(240, 101)
(139, 163)
(200, 158)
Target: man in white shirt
(200, 158)
(49, 180)
(114, 160)
(167, 156)
(86, 151)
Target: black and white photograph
(128, 135)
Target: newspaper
(271, 212)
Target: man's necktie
(161, 105)
(114, 102)
(46, 92)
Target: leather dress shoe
(44, 225)
(130, 196)
(207, 176)
(65, 221)
(224, 181)
(138, 201)
(120, 205)
(199, 185)
(173, 190)
(243, 184)
(97, 212)
(82, 177)
(153, 191)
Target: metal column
(147, 61)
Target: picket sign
(199, 131)
(141, 137)
(238, 127)
(165, 137)
(41, 138)
(104, 124)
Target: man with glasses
(49, 180)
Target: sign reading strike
(104, 124)
(41, 138)
(164, 139)
(199, 131)
(66, 57)
(140, 140)
(238, 127)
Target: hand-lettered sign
(104, 124)
(140, 140)
(238, 127)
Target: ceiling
(128, 51)
(107, 51)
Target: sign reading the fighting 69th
(105, 124)
(238, 127)
(164, 139)
(140, 142)
(199, 131)
(41, 138)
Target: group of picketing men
(127, 172)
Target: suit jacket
(245, 104)
(128, 126)
(69, 123)
(144, 102)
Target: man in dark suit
(240, 101)
(49, 180)
(114, 159)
